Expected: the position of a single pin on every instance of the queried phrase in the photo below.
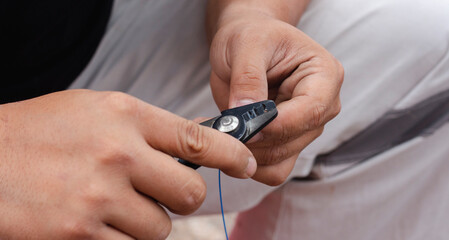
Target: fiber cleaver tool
(241, 122)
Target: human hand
(81, 164)
(256, 57)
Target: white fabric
(395, 54)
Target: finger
(179, 188)
(109, 233)
(297, 116)
(138, 217)
(276, 174)
(248, 76)
(198, 144)
(220, 91)
(270, 152)
(317, 80)
(325, 82)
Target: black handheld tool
(241, 122)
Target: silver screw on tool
(228, 123)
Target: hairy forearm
(220, 11)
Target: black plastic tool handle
(250, 120)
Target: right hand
(81, 164)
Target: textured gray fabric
(392, 129)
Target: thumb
(248, 80)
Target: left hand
(256, 57)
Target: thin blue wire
(221, 204)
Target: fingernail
(256, 138)
(242, 102)
(252, 166)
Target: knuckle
(317, 118)
(116, 158)
(336, 109)
(112, 153)
(340, 72)
(193, 140)
(77, 229)
(120, 102)
(95, 197)
(319, 112)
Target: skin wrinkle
(276, 139)
(197, 196)
(282, 55)
(295, 47)
(302, 71)
(319, 115)
(194, 140)
(318, 120)
(248, 77)
(301, 88)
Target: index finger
(201, 145)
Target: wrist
(234, 12)
(222, 12)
